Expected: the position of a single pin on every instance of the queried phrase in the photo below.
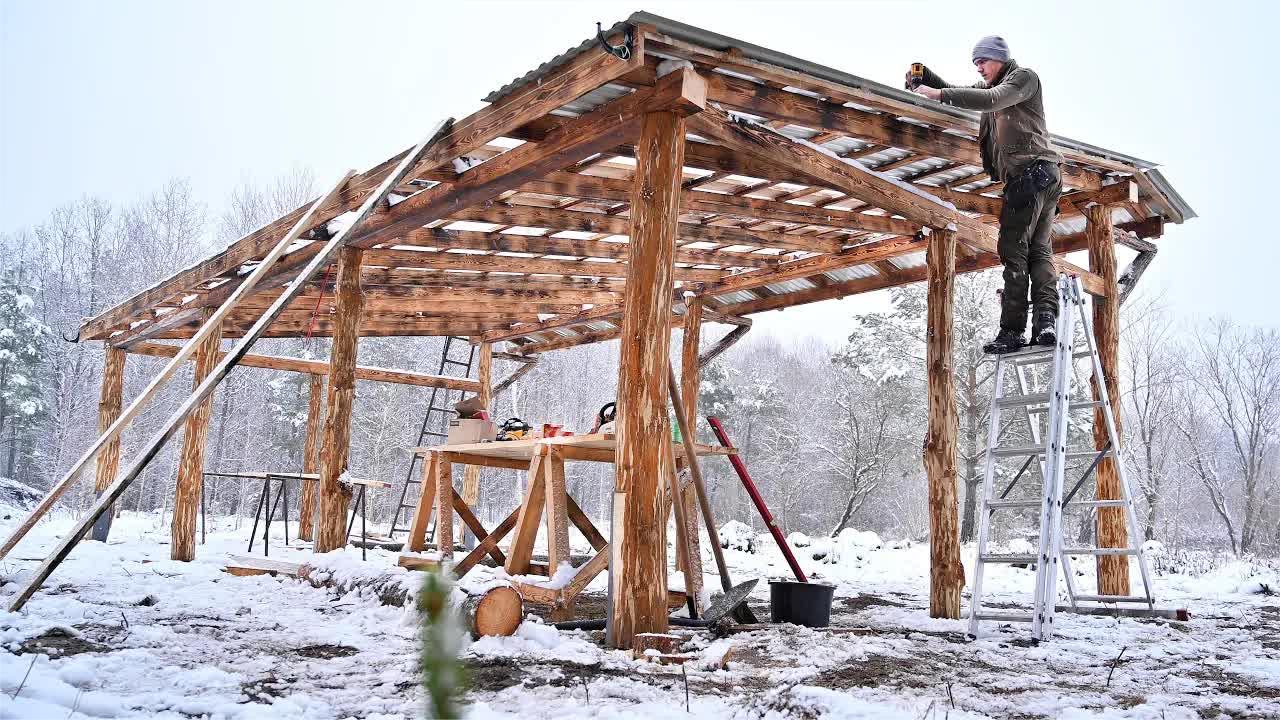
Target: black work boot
(1006, 342)
(1043, 329)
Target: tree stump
(496, 611)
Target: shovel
(727, 604)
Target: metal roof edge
(1162, 184)
(716, 41)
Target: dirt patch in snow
(859, 603)
(325, 652)
(879, 671)
(61, 642)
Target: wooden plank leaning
(219, 372)
(182, 355)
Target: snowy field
(121, 631)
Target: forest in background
(831, 429)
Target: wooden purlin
(879, 190)
(680, 91)
(583, 73)
(170, 426)
(1061, 245)
(321, 368)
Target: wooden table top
(309, 477)
(526, 449)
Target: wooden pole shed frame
(667, 168)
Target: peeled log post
(1113, 570)
(690, 384)
(331, 533)
(946, 571)
(186, 499)
(109, 404)
(484, 375)
(638, 577)
(311, 458)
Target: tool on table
(513, 429)
(471, 409)
(605, 417)
(741, 612)
(915, 78)
(756, 498)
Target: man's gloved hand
(911, 83)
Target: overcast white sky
(112, 99)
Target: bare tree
(1151, 372)
(1237, 373)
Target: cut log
(496, 611)
(664, 643)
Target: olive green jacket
(1012, 132)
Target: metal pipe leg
(262, 502)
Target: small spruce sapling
(443, 677)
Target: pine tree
(23, 345)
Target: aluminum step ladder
(435, 425)
(1047, 413)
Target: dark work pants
(1026, 250)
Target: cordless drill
(916, 77)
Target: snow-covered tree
(23, 339)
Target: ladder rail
(430, 429)
(1113, 437)
(1033, 428)
(1044, 600)
(984, 514)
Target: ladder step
(1005, 617)
(1039, 357)
(1009, 559)
(1115, 599)
(1020, 400)
(997, 504)
(1075, 405)
(1028, 450)
(1099, 551)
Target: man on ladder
(1016, 150)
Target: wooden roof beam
(582, 73)
(574, 220)
(316, 367)
(879, 190)
(1061, 245)
(547, 245)
(682, 91)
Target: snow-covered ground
(121, 631)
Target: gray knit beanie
(992, 47)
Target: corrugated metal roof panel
(735, 297)
(787, 286)
(856, 272)
(910, 260)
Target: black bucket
(807, 604)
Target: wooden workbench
(544, 459)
